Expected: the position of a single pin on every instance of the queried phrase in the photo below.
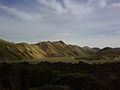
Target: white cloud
(97, 3)
(118, 32)
(115, 5)
(69, 8)
(20, 14)
(77, 8)
(102, 3)
(72, 7)
(54, 5)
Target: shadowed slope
(107, 54)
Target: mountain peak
(61, 42)
(48, 42)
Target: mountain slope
(107, 54)
(22, 51)
(60, 49)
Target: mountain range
(57, 49)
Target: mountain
(23, 51)
(96, 49)
(118, 48)
(107, 54)
(57, 49)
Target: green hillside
(107, 54)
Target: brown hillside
(22, 51)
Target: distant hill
(96, 49)
(117, 48)
(23, 51)
(107, 54)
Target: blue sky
(94, 23)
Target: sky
(93, 23)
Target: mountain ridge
(107, 53)
(56, 49)
(14, 51)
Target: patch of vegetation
(59, 76)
